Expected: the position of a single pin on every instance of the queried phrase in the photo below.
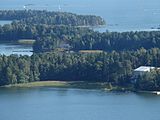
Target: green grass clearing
(26, 41)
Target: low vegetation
(26, 41)
(73, 84)
(40, 84)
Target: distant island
(65, 51)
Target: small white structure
(142, 69)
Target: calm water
(71, 104)
(9, 48)
(3, 22)
(121, 15)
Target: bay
(47, 103)
(12, 48)
(3, 22)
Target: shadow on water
(148, 96)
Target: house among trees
(142, 69)
(147, 78)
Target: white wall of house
(142, 69)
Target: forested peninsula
(120, 53)
(31, 17)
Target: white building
(142, 69)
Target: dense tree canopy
(115, 67)
(15, 31)
(50, 18)
(109, 41)
(122, 52)
(149, 81)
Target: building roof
(144, 69)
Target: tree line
(107, 41)
(113, 67)
(16, 31)
(122, 52)
(50, 18)
(49, 36)
(79, 38)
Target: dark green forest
(107, 41)
(113, 67)
(16, 31)
(31, 17)
(122, 52)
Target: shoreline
(79, 85)
(67, 84)
(71, 84)
(37, 84)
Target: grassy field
(73, 84)
(26, 41)
(91, 51)
(40, 84)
